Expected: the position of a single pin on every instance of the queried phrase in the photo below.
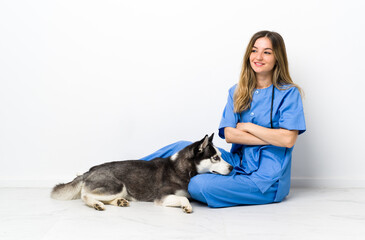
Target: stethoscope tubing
(272, 104)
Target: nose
(230, 168)
(259, 56)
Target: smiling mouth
(259, 64)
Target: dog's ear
(204, 143)
(211, 137)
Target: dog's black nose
(230, 168)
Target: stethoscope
(272, 104)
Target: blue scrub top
(266, 164)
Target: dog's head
(208, 157)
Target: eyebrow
(264, 49)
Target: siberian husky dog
(163, 181)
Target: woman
(262, 119)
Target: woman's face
(262, 58)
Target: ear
(204, 143)
(211, 137)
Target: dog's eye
(216, 158)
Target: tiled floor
(29, 213)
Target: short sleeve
(291, 111)
(229, 117)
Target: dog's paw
(99, 207)
(187, 209)
(122, 202)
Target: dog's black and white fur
(162, 180)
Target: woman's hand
(244, 126)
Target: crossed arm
(252, 134)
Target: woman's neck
(263, 81)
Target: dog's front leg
(177, 201)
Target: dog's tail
(68, 191)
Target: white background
(85, 82)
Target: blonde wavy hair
(247, 82)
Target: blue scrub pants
(218, 190)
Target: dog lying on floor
(161, 180)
